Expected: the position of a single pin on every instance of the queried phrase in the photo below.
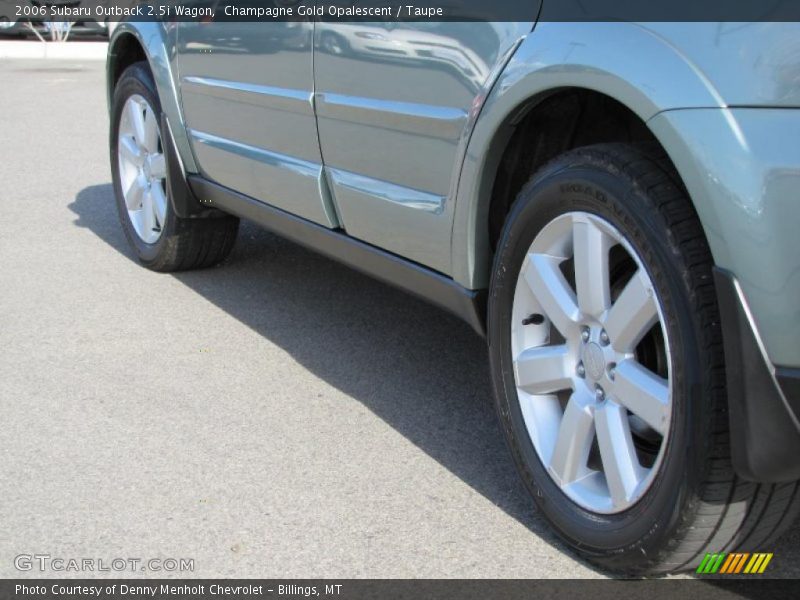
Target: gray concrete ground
(279, 416)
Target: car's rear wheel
(609, 371)
(161, 239)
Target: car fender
(158, 40)
(625, 61)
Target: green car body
(340, 137)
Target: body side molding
(424, 283)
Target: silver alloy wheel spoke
(148, 214)
(142, 168)
(582, 389)
(574, 441)
(150, 140)
(592, 281)
(620, 465)
(643, 393)
(553, 292)
(135, 194)
(130, 150)
(633, 314)
(543, 370)
(158, 166)
(135, 115)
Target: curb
(54, 50)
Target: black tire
(184, 243)
(696, 503)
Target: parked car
(20, 24)
(397, 42)
(612, 205)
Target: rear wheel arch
(535, 131)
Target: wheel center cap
(594, 360)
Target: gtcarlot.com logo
(734, 563)
(59, 564)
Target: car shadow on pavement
(419, 369)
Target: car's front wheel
(161, 240)
(334, 44)
(608, 367)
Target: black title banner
(206, 11)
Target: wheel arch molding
(156, 43)
(548, 62)
(127, 46)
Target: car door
(246, 89)
(395, 103)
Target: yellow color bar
(764, 564)
(758, 563)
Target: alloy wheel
(142, 168)
(591, 362)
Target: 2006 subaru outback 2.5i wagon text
(613, 205)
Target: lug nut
(604, 338)
(585, 334)
(612, 371)
(599, 394)
(581, 370)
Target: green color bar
(701, 568)
(711, 563)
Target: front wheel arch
(153, 43)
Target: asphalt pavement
(277, 416)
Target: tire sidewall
(635, 535)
